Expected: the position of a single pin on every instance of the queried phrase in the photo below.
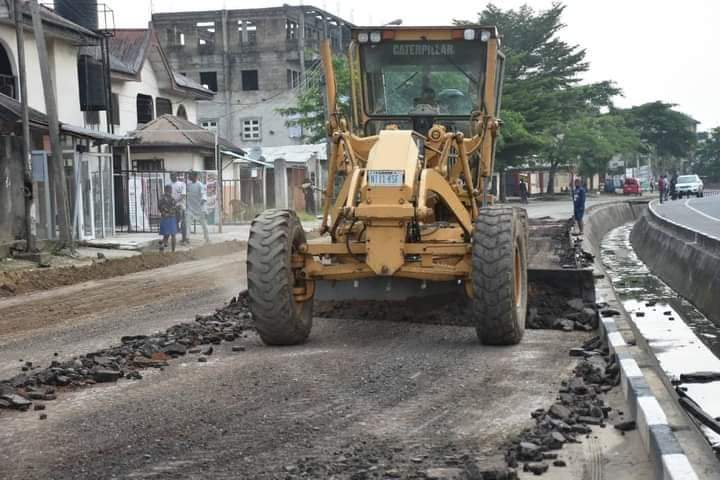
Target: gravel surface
(364, 398)
(390, 393)
(401, 397)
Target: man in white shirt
(179, 195)
(196, 204)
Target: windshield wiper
(405, 81)
(469, 77)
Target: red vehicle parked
(632, 187)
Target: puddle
(681, 337)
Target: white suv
(689, 185)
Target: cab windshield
(423, 77)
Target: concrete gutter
(687, 260)
(644, 397)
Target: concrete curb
(666, 454)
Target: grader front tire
(499, 275)
(275, 235)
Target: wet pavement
(681, 338)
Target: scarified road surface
(405, 390)
(399, 391)
(390, 399)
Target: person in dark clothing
(309, 193)
(673, 182)
(579, 195)
(523, 190)
(168, 223)
(661, 187)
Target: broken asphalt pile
(549, 310)
(580, 405)
(369, 461)
(136, 353)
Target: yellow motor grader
(409, 196)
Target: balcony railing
(8, 85)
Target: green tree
(669, 135)
(309, 109)
(589, 143)
(707, 157)
(543, 96)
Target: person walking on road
(196, 204)
(523, 191)
(579, 195)
(661, 187)
(179, 194)
(168, 218)
(673, 182)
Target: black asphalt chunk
(135, 352)
(581, 404)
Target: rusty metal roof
(171, 131)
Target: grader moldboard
(414, 213)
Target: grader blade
(383, 289)
(553, 259)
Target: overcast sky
(654, 49)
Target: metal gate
(138, 193)
(94, 215)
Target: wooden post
(30, 193)
(56, 166)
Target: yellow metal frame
(368, 226)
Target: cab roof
(447, 32)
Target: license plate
(386, 178)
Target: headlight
(375, 37)
(363, 37)
(469, 34)
(485, 35)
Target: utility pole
(220, 188)
(30, 231)
(56, 166)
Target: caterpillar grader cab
(409, 205)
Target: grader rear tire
(499, 275)
(275, 235)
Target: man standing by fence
(196, 201)
(178, 194)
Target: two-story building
(256, 59)
(86, 156)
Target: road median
(687, 260)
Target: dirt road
(86, 317)
(360, 392)
(362, 399)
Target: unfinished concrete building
(257, 60)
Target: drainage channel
(682, 339)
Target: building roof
(11, 112)
(52, 18)
(169, 131)
(54, 24)
(130, 48)
(298, 154)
